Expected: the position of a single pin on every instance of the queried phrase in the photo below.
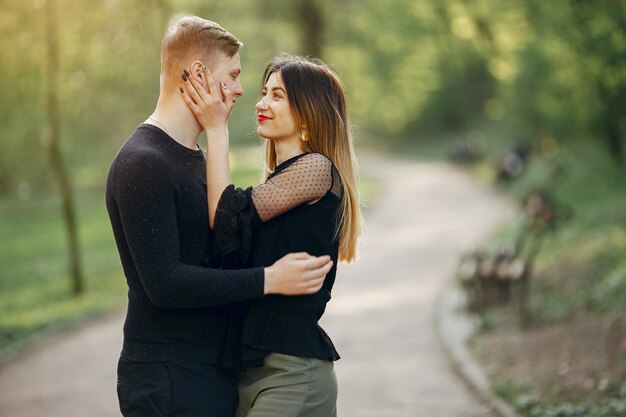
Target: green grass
(581, 267)
(35, 289)
(596, 403)
(35, 292)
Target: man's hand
(297, 274)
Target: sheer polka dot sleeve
(304, 181)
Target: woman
(308, 203)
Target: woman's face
(276, 121)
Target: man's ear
(197, 69)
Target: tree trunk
(312, 22)
(611, 111)
(611, 120)
(51, 142)
(614, 137)
(485, 32)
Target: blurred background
(529, 96)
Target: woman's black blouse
(295, 210)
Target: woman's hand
(211, 103)
(297, 274)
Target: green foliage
(605, 402)
(591, 406)
(510, 390)
(585, 257)
(572, 73)
(412, 69)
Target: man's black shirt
(157, 202)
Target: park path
(381, 317)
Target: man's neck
(174, 117)
(286, 149)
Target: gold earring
(303, 136)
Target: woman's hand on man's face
(210, 102)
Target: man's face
(227, 70)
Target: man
(156, 199)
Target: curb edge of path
(453, 328)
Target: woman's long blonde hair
(317, 100)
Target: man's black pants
(175, 389)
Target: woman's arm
(302, 182)
(217, 173)
(152, 239)
(212, 106)
(241, 212)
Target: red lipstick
(262, 118)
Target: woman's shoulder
(315, 160)
(311, 164)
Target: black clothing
(175, 389)
(300, 203)
(156, 199)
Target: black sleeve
(236, 219)
(239, 212)
(145, 198)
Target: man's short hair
(193, 38)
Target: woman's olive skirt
(288, 386)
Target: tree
(51, 142)
(312, 24)
(603, 62)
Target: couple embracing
(226, 286)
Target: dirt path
(381, 316)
